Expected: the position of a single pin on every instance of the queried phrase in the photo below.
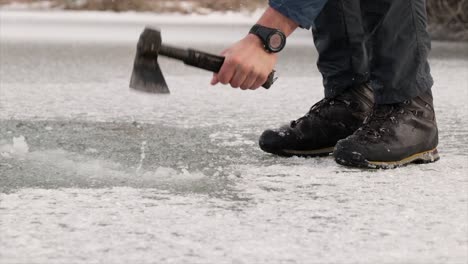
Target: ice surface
(92, 173)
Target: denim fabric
(340, 41)
(303, 12)
(384, 42)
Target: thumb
(215, 80)
(224, 52)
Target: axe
(147, 75)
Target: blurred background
(448, 19)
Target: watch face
(276, 42)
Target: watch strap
(262, 32)
(256, 29)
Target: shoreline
(226, 18)
(175, 18)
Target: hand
(247, 64)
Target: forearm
(274, 19)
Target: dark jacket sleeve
(303, 12)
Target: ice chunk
(18, 148)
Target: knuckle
(232, 61)
(236, 60)
(243, 69)
(259, 75)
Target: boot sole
(419, 158)
(302, 153)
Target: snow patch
(19, 148)
(91, 169)
(170, 174)
(40, 5)
(142, 155)
(229, 139)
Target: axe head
(147, 76)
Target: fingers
(259, 81)
(239, 77)
(227, 71)
(246, 65)
(249, 81)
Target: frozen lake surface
(93, 173)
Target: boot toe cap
(348, 152)
(273, 140)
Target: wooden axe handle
(203, 60)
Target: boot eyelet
(418, 113)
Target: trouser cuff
(383, 95)
(340, 84)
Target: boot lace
(316, 109)
(380, 120)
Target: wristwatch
(273, 39)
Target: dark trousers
(381, 41)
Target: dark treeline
(448, 19)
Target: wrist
(254, 39)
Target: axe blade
(147, 77)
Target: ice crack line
(142, 156)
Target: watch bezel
(283, 41)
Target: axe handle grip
(214, 63)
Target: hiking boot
(328, 121)
(393, 135)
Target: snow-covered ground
(93, 173)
